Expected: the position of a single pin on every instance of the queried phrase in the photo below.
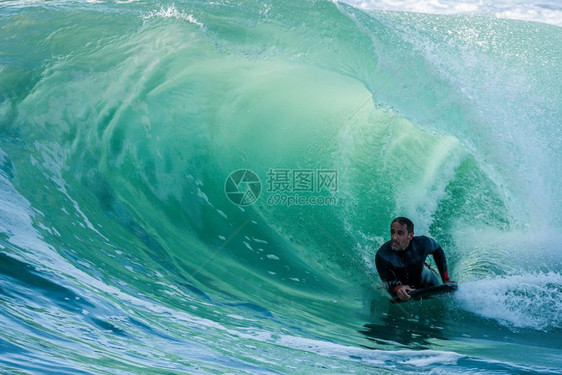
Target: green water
(122, 253)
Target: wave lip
(548, 11)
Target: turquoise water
(122, 253)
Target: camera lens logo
(242, 187)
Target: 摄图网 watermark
(286, 187)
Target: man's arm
(441, 262)
(387, 275)
(432, 247)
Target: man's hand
(402, 292)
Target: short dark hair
(405, 221)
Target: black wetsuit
(407, 267)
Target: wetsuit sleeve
(441, 262)
(386, 274)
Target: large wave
(121, 126)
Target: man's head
(401, 233)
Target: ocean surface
(200, 187)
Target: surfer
(401, 261)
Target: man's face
(400, 236)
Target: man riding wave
(401, 262)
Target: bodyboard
(429, 292)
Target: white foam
(518, 301)
(239, 317)
(172, 12)
(259, 241)
(383, 358)
(548, 11)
